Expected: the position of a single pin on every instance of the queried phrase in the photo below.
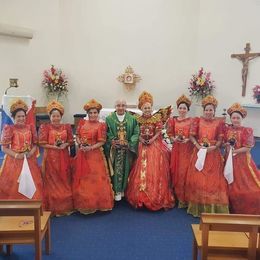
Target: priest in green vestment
(121, 146)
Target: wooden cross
(245, 58)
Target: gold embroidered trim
(143, 170)
(151, 120)
(7, 143)
(3, 164)
(248, 157)
(42, 142)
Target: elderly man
(121, 146)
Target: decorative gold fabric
(183, 99)
(209, 100)
(145, 97)
(236, 107)
(92, 104)
(18, 104)
(55, 105)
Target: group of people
(126, 157)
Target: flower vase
(196, 107)
(55, 96)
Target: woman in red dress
(244, 191)
(56, 138)
(178, 129)
(92, 189)
(149, 179)
(206, 188)
(19, 140)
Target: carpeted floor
(124, 233)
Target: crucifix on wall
(245, 58)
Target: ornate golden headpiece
(183, 99)
(236, 107)
(209, 100)
(18, 104)
(145, 97)
(55, 105)
(92, 104)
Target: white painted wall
(26, 59)
(165, 41)
(94, 41)
(224, 28)
(101, 38)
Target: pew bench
(226, 236)
(24, 222)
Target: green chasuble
(120, 160)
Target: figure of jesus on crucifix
(245, 58)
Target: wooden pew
(226, 236)
(24, 222)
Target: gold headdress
(18, 104)
(145, 97)
(92, 104)
(55, 105)
(183, 99)
(236, 107)
(209, 100)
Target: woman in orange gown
(17, 141)
(206, 190)
(149, 179)
(92, 189)
(55, 138)
(178, 129)
(244, 191)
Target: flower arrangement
(256, 93)
(55, 82)
(201, 84)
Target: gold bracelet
(16, 154)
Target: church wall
(94, 41)
(224, 28)
(164, 41)
(26, 59)
(157, 38)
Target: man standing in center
(121, 146)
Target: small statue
(180, 135)
(26, 148)
(205, 142)
(58, 141)
(121, 133)
(232, 141)
(84, 141)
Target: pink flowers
(256, 93)
(200, 84)
(55, 82)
